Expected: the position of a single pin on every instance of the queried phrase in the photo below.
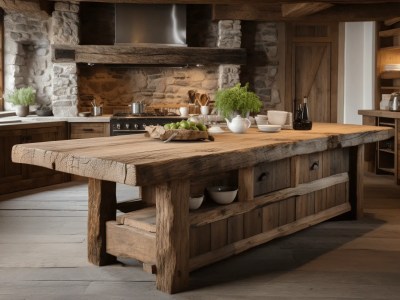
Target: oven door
(114, 132)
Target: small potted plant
(237, 100)
(21, 98)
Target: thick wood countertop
(380, 113)
(138, 160)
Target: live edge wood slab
(287, 181)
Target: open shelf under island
(383, 157)
(287, 181)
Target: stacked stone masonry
(69, 87)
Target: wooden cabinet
(383, 157)
(388, 60)
(281, 197)
(17, 177)
(88, 130)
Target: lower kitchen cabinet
(88, 130)
(18, 177)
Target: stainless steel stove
(125, 123)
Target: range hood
(150, 24)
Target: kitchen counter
(287, 181)
(36, 119)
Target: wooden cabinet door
(9, 171)
(44, 134)
(312, 59)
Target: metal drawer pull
(314, 166)
(263, 176)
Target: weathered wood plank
(102, 205)
(172, 238)
(295, 10)
(271, 12)
(245, 244)
(123, 54)
(126, 159)
(126, 241)
(210, 216)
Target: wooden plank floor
(43, 255)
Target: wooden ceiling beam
(20, 5)
(337, 13)
(236, 1)
(295, 10)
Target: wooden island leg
(172, 235)
(102, 205)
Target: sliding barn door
(312, 66)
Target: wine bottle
(306, 115)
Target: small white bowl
(223, 194)
(277, 117)
(261, 121)
(195, 202)
(269, 128)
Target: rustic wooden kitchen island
(287, 181)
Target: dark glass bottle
(302, 119)
(306, 116)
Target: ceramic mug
(204, 110)
(184, 111)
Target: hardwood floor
(43, 255)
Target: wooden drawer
(89, 130)
(271, 176)
(322, 164)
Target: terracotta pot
(22, 110)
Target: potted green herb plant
(21, 98)
(237, 100)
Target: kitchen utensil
(394, 102)
(192, 96)
(204, 110)
(97, 111)
(137, 108)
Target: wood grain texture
(102, 204)
(137, 160)
(172, 239)
(128, 54)
(271, 12)
(127, 241)
(246, 184)
(200, 218)
(245, 244)
(296, 10)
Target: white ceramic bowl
(195, 202)
(277, 117)
(269, 128)
(223, 194)
(261, 120)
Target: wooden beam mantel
(125, 54)
(303, 9)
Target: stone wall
(116, 87)
(27, 59)
(263, 66)
(65, 31)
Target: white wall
(359, 70)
